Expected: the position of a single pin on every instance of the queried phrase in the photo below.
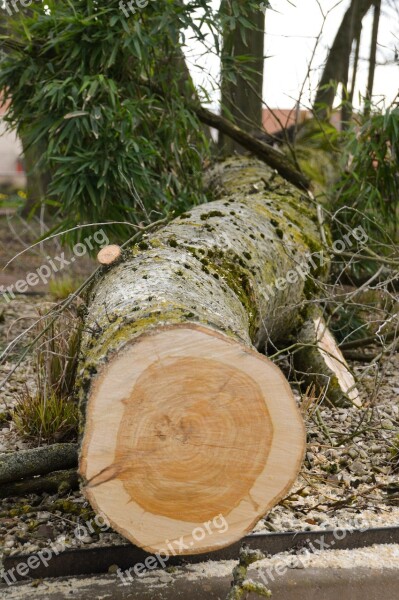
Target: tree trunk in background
(188, 90)
(182, 420)
(337, 64)
(373, 54)
(37, 180)
(347, 107)
(355, 67)
(3, 21)
(242, 99)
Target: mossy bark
(321, 363)
(38, 461)
(59, 482)
(221, 264)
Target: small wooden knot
(109, 254)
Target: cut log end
(109, 254)
(322, 362)
(190, 436)
(336, 362)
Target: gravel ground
(347, 476)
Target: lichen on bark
(215, 265)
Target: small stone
(43, 517)
(296, 565)
(165, 578)
(382, 470)
(112, 569)
(310, 457)
(44, 532)
(87, 539)
(357, 468)
(353, 453)
(387, 424)
(31, 548)
(333, 454)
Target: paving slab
(296, 584)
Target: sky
(292, 27)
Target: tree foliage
(370, 184)
(104, 93)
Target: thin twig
(67, 302)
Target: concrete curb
(296, 584)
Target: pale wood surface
(182, 426)
(335, 361)
(109, 254)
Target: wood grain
(184, 425)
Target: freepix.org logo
(54, 265)
(13, 6)
(173, 548)
(130, 8)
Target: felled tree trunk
(184, 423)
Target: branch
(39, 461)
(268, 154)
(275, 159)
(58, 482)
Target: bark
(373, 54)
(336, 67)
(321, 362)
(265, 152)
(242, 98)
(220, 249)
(59, 482)
(39, 461)
(37, 180)
(179, 317)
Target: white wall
(10, 151)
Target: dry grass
(48, 413)
(310, 401)
(45, 419)
(62, 287)
(395, 454)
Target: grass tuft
(45, 419)
(62, 287)
(48, 412)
